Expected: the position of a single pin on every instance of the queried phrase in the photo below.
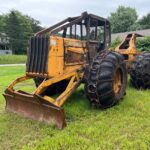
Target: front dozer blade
(34, 107)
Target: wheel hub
(117, 81)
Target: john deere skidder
(62, 57)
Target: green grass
(124, 126)
(12, 59)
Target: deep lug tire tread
(140, 71)
(99, 84)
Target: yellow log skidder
(137, 62)
(60, 58)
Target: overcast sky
(49, 12)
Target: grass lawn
(12, 59)
(125, 126)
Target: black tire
(99, 86)
(140, 71)
(54, 89)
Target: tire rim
(117, 81)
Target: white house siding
(5, 52)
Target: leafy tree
(14, 31)
(123, 19)
(35, 24)
(135, 26)
(2, 23)
(144, 22)
(19, 28)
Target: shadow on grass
(78, 107)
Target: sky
(49, 12)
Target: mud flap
(34, 107)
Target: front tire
(106, 81)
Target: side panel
(75, 54)
(65, 55)
(55, 57)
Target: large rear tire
(106, 81)
(140, 71)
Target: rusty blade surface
(34, 107)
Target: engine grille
(38, 55)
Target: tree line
(126, 19)
(19, 27)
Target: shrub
(115, 43)
(143, 44)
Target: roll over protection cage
(68, 22)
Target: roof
(122, 35)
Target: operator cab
(92, 29)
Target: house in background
(145, 32)
(5, 47)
